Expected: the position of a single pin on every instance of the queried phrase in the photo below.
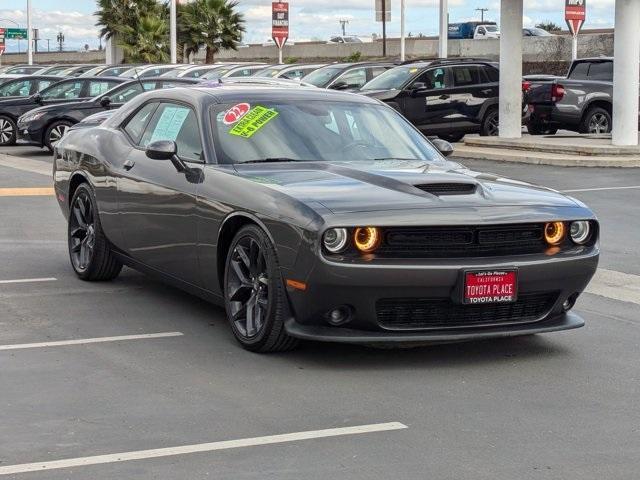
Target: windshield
(217, 73)
(540, 32)
(322, 76)
(315, 131)
(491, 28)
(392, 79)
(269, 72)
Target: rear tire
(8, 131)
(89, 250)
(490, 123)
(255, 299)
(597, 120)
(54, 133)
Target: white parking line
(202, 447)
(600, 189)
(82, 341)
(28, 280)
(624, 287)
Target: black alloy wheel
(254, 294)
(490, 124)
(8, 131)
(54, 133)
(89, 251)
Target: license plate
(491, 286)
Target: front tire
(8, 131)
(89, 250)
(255, 300)
(490, 123)
(54, 133)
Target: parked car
(327, 217)
(19, 71)
(51, 69)
(447, 98)
(232, 71)
(197, 71)
(26, 85)
(145, 71)
(581, 102)
(344, 39)
(473, 30)
(291, 72)
(76, 70)
(536, 32)
(66, 90)
(44, 126)
(346, 76)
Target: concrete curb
(571, 145)
(544, 158)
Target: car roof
(229, 93)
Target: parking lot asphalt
(557, 406)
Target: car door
(470, 91)
(429, 108)
(156, 202)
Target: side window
(435, 78)
(580, 71)
(353, 78)
(375, 71)
(98, 87)
(491, 74)
(465, 76)
(601, 71)
(126, 93)
(16, 89)
(136, 124)
(42, 84)
(67, 90)
(177, 123)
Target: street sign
(280, 23)
(16, 33)
(575, 13)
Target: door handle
(444, 97)
(128, 165)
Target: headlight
(367, 239)
(554, 233)
(30, 117)
(335, 239)
(580, 231)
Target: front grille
(442, 313)
(448, 188)
(471, 241)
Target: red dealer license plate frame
(494, 286)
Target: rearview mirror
(105, 101)
(444, 147)
(161, 150)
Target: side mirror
(444, 147)
(105, 101)
(418, 87)
(339, 86)
(37, 98)
(162, 150)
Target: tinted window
(98, 87)
(435, 78)
(16, 89)
(136, 125)
(177, 123)
(492, 75)
(322, 76)
(44, 84)
(601, 71)
(353, 78)
(580, 71)
(467, 75)
(62, 91)
(375, 71)
(126, 93)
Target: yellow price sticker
(253, 121)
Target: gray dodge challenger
(320, 215)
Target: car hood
(349, 187)
(380, 94)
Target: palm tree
(212, 24)
(148, 42)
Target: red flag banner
(280, 23)
(575, 13)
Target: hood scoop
(440, 189)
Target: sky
(309, 19)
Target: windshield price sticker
(253, 121)
(235, 113)
(490, 287)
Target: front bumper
(29, 135)
(361, 286)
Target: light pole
(29, 34)
(482, 10)
(173, 38)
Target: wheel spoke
(250, 324)
(240, 294)
(243, 256)
(76, 247)
(78, 215)
(237, 269)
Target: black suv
(444, 97)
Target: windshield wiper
(272, 160)
(400, 158)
